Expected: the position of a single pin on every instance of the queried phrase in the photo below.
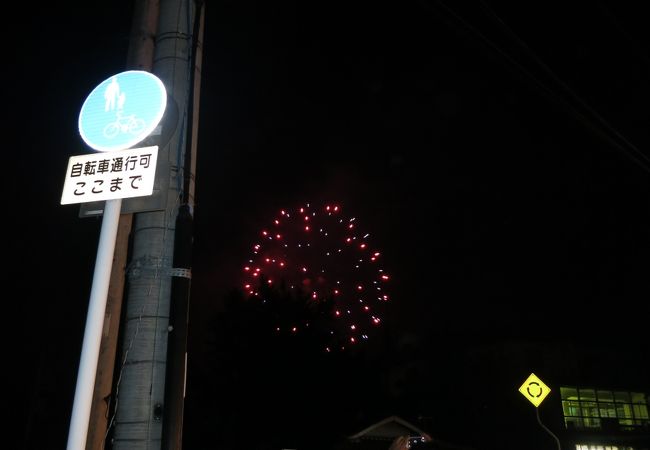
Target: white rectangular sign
(110, 175)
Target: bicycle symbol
(129, 124)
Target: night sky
(497, 157)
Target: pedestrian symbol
(534, 390)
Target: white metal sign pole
(83, 396)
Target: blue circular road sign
(122, 110)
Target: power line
(596, 122)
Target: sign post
(83, 395)
(119, 113)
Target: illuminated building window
(586, 408)
(601, 447)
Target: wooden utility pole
(152, 369)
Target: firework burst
(316, 272)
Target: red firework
(317, 272)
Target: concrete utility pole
(139, 57)
(154, 282)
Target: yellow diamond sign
(534, 390)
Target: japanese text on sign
(106, 176)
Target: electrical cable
(621, 144)
(562, 84)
